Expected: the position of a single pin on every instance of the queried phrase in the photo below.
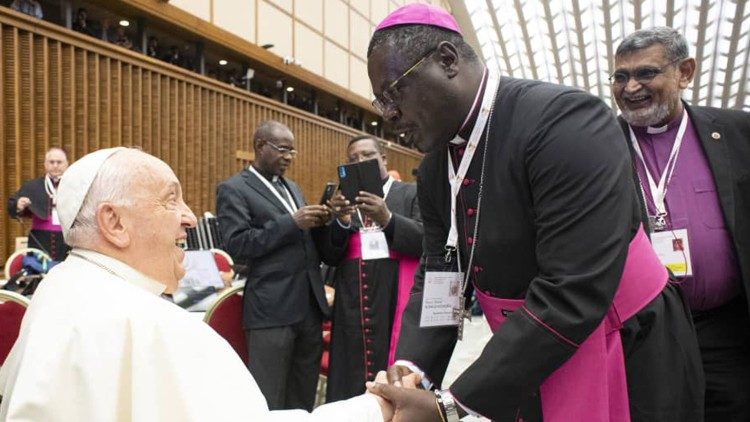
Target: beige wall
(327, 37)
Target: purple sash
(591, 385)
(407, 266)
(44, 225)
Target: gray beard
(646, 117)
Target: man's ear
(687, 72)
(448, 58)
(109, 222)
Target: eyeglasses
(642, 75)
(390, 94)
(283, 150)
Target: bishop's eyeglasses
(283, 150)
(642, 75)
(390, 96)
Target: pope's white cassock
(99, 344)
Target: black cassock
(49, 241)
(362, 323)
(557, 214)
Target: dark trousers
(285, 361)
(724, 340)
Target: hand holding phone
(327, 193)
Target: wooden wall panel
(60, 88)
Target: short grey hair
(675, 44)
(112, 184)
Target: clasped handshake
(370, 205)
(401, 398)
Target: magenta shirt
(693, 203)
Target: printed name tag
(440, 298)
(374, 245)
(673, 250)
(55, 218)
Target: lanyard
(659, 192)
(51, 189)
(456, 178)
(386, 189)
(288, 204)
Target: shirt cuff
(426, 383)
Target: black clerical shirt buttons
(368, 331)
(365, 286)
(364, 275)
(370, 375)
(716, 135)
(369, 352)
(367, 320)
(470, 211)
(365, 297)
(367, 309)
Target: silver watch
(449, 403)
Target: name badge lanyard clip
(659, 191)
(456, 179)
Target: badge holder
(373, 241)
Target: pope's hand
(385, 407)
(409, 405)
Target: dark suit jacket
(729, 159)
(282, 260)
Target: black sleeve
(245, 237)
(12, 202)
(332, 241)
(581, 189)
(428, 348)
(406, 231)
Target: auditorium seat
(223, 261)
(14, 263)
(12, 308)
(225, 317)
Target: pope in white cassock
(98, 343)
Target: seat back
(14, 263)
(225, 317)
(12, 308)
(223, 261)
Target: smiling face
(424, 101)
(656, 102)
(55, 163)
(156, 223)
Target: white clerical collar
(656, 130)
(120, 269)
(274, 178)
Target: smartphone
(327, 193)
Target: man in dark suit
(37, 200)
(702, 207)
(267, 227)
(371, 293)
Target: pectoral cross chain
(460, 314)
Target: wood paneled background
(60, 88)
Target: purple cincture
(693, 203)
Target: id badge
(55, 218)
(374, 245)
(440, 298)
(673, 250)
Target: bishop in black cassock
(558, 221)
